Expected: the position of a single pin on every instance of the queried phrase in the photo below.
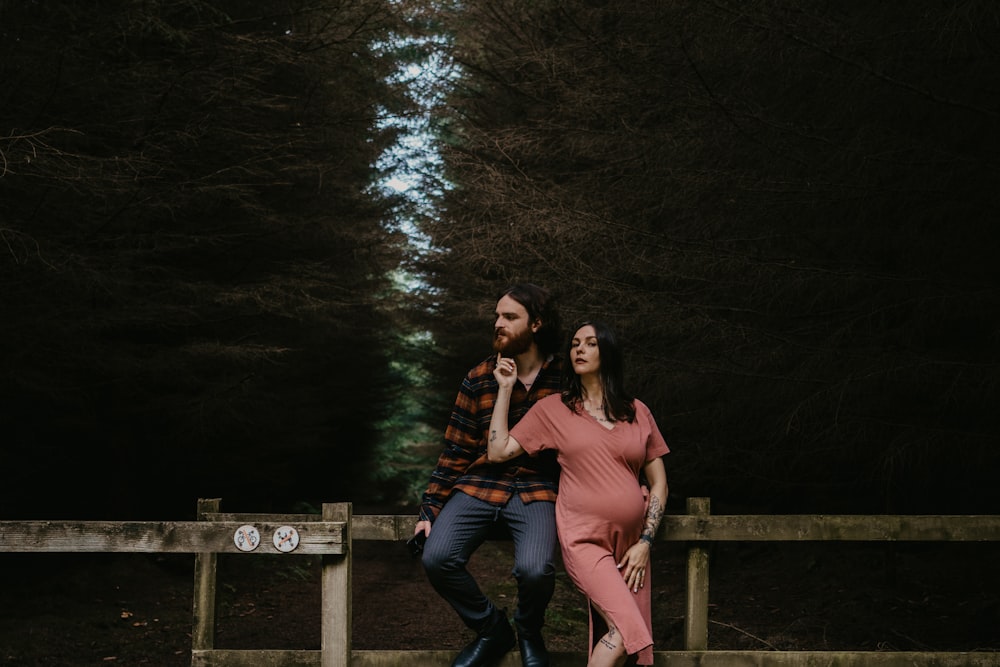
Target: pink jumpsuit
(600, 509)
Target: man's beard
(511, 346)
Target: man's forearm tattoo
(653, 516)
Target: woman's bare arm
(500, 446)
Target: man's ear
(536, 325)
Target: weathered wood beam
(246, 658)
(315, 538)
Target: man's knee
(538, 573)
(441, 557)
(436, 561)
(430, 561)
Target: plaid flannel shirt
(463, 465)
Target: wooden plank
(696, 615)
(255, 658)
(319, 537)
(336, 586)
(316, 538)
(238, 517)
(291, 658)
(203, 604)
(823, 527)
(363, 526)
(445, 658)
(383, 526)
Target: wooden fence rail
(330, 535)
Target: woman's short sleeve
(537, 429)
(656, 446)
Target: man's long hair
(541, 305)
(619, 404)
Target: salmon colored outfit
(601, 508)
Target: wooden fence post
(336, 602)
(205, 568)
(696, 618)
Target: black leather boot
(532, 647)
(492, 643)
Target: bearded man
(467, 495)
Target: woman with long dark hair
(606, 442)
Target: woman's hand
(634, 564)
(505, 372)
(500, 446)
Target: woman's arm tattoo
(653, 516)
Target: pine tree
(196, 260)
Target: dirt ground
(114, 609)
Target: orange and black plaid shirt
(463, 465)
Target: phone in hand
(416, 543)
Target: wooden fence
(330, 535)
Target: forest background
(788, 210)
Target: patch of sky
(411, 168)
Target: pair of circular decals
(285, 538)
